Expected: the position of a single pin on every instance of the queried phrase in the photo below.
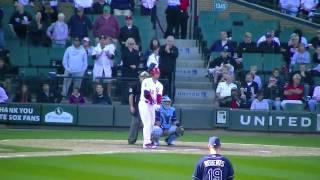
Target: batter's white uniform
(102, 65)
(147, 109)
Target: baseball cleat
(149, 146)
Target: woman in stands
(23, 96)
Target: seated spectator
(58, 32)
(276, 74)
(264, 38)
(47, 95)
(221, 65)
(23, 95)
(3, 95)
(306, 78)
(223, 44)
(85, 4)
(247, 46)
(79, 24)
(129, 31)
(19, 22)
(49, 11)
(153, 59)
(316, 56)
(315, 41)
(24, 2)
(100, 97)
(302, 39)
(256, 78)
(301, 56)
(308, 7)
(249, 89)
(97, 7)
(290, 7)
(312, 103)
(130, 58)
(122, 7)
(260, 103)
(87, 46)
(153, 45)
(236, 101)
(37, 31)
(292, 48)
(106, 25)
(269, 45)
(76, 97)
(273, 93)
(223, 92)
(293, 93)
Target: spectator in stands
(183, 19)
(153, 59)
(106, 25)
(312, 103)
(223, 91)
(306, 78)
(308, 7)
(85, 4)
(247, 45)
(19, 22)
(24, 2)
(4, 68)
(37, 31)
(249, 89)
(172, 17)
(168, 60)
(97, 7)
(130, 58)
(87, 46)
(260, 103)
(100, 97)
(122, 7)
(316, 56)
(3, 95)
(5, 55)
(293, 45)
(273, 92)
(47, 95)
(264, 38)
(222, 64)
(302, 39)
(149, 8)
(75, 63)
(315, 41)
(154, 44)
(256, 78)
(269, 45)
(276, 74)
(300, 56)
(290, 7)
(103, 55)
(76, 97)
(129, 31)
(58, 32)
(2, 41)
(223, 44)
(23, 95)
(293, 93)
(49, 11)
(79, 24)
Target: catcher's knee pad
(157, 131)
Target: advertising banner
(23, 113)
(59, 114)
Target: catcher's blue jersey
(166, 116)
(213, 167)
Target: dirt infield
(78, 147)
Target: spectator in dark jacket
(273, 93)
(269, 45)
(249, 89)
(23, 95)
(122, 7)
(76, 97)
(49, 13)
(100, 97)
(47, 95)
(19, 22)
(130, 59)
(129, 31)
(223, 44)
(247, 46)
(316, 56)
(37, 30)
(315, 41)
(79, 24)
(97, 7)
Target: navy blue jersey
(213, 167)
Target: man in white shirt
(290, 7)
(263, 38)
(85, 4)
(223, 92)
(308, 7)
(172, 16)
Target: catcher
(166, 123)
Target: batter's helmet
(154, 71)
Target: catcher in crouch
(166, 123)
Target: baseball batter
(214, 166)
(150, 100)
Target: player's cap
(154, 71)
(144, 74)
(128, 18)
(214, 141)
(166, 99)
(86, 39)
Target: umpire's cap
(214, 141)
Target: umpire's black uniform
(136, 121)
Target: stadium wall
(119, 116)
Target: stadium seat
(285, 34)
(223, 24)
(28, 71)
(18, 57)
(250, 59)
(39, 56)
(294, 107)
(56, 53)
(271, 61)
(238, 34)
(238, 16)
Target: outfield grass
(153, 167)
(227, 137)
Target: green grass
(153, 166)
(227, 137)
(16, 149)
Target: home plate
(266, 152)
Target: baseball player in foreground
(150, 100)
(214, 166)
(166, 123)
